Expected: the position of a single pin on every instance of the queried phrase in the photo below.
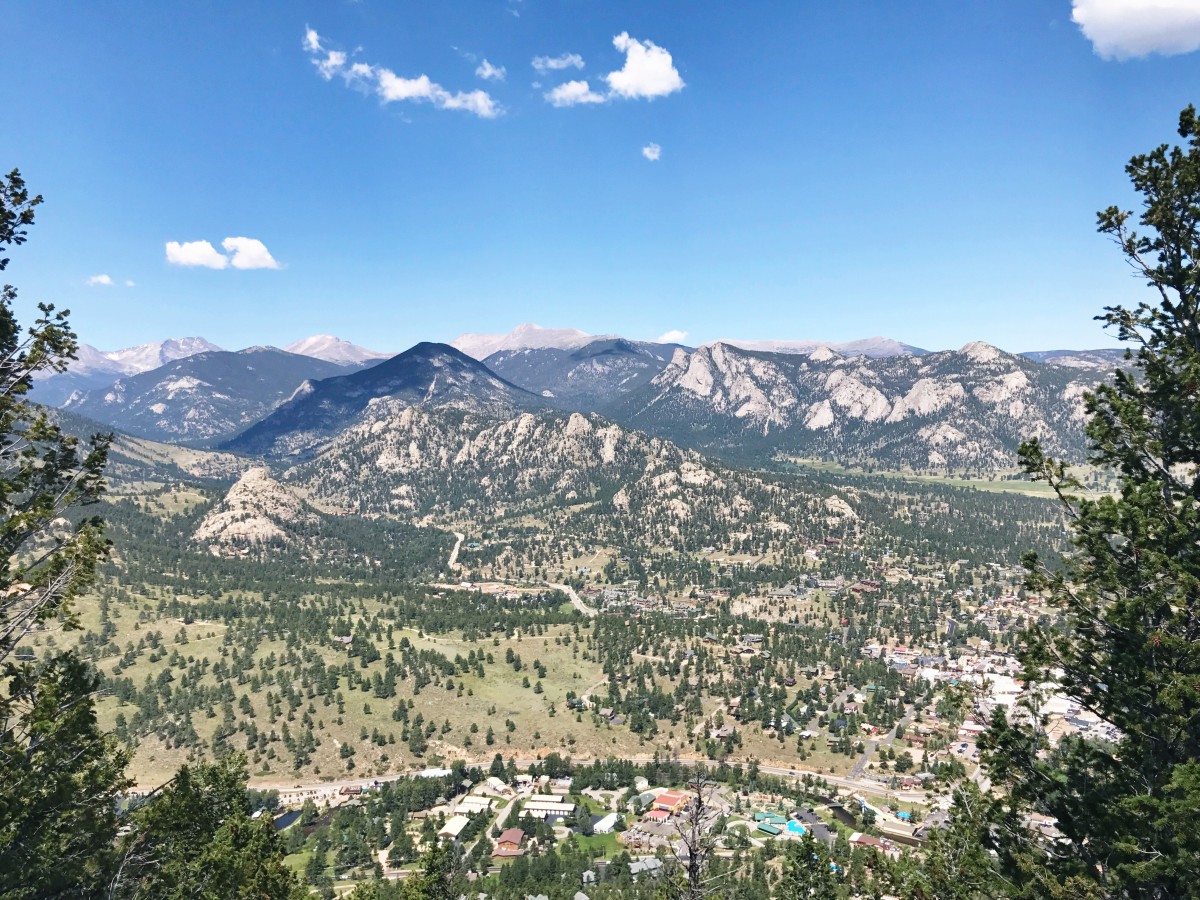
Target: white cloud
(245, 253)
(573, 93)
(545, 64)
(332, 64)
(328, 62)
(674, 336)
(488, 72)
(652, 152)
(1123, 29)
(249, 253)
(479, 103)
(195, 253)
(129, 282)
(99, 281)
(393, 88)
(648, 70)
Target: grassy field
(542, 722)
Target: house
(858, 839)
(509, 843)
(650, 866)
(497, 786)
(453, 827)
(657, 815)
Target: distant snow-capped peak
(142, 358)
(523, 337)
(334, 349)
(873, 347)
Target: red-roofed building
(509, 843)
(671, 801)
(657, 815)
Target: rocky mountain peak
(256, 511)
(334, 349)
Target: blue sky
(927, 172)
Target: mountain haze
(92, 368)
(335, 350)
(586, 377)
(523, 337)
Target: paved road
(452, 562)
(325, 789)
(588, 611)
(860, 767)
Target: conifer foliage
(1130, 648)
(59, 774)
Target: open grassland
(524, 722)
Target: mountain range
(877, 401)
(204, 397)
(953, 409)
(427, 374)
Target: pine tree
(1129, 647)
(60, 776)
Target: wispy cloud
(652, 152)
(393, 88)
(1125, 29)
(99, 281)
(545, 64)
(488, 72)
(649, 71)
(674, 336)
(244, 253)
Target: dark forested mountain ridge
(586, 377)
(205, 397)
(425, 375)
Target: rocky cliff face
(257, 511)
(962, 409)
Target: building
(509, 843)
(650, 866)
(605, 825)
(497, 786)
(453, 827)
(473, 803)
(671, 801)
(548, 807)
